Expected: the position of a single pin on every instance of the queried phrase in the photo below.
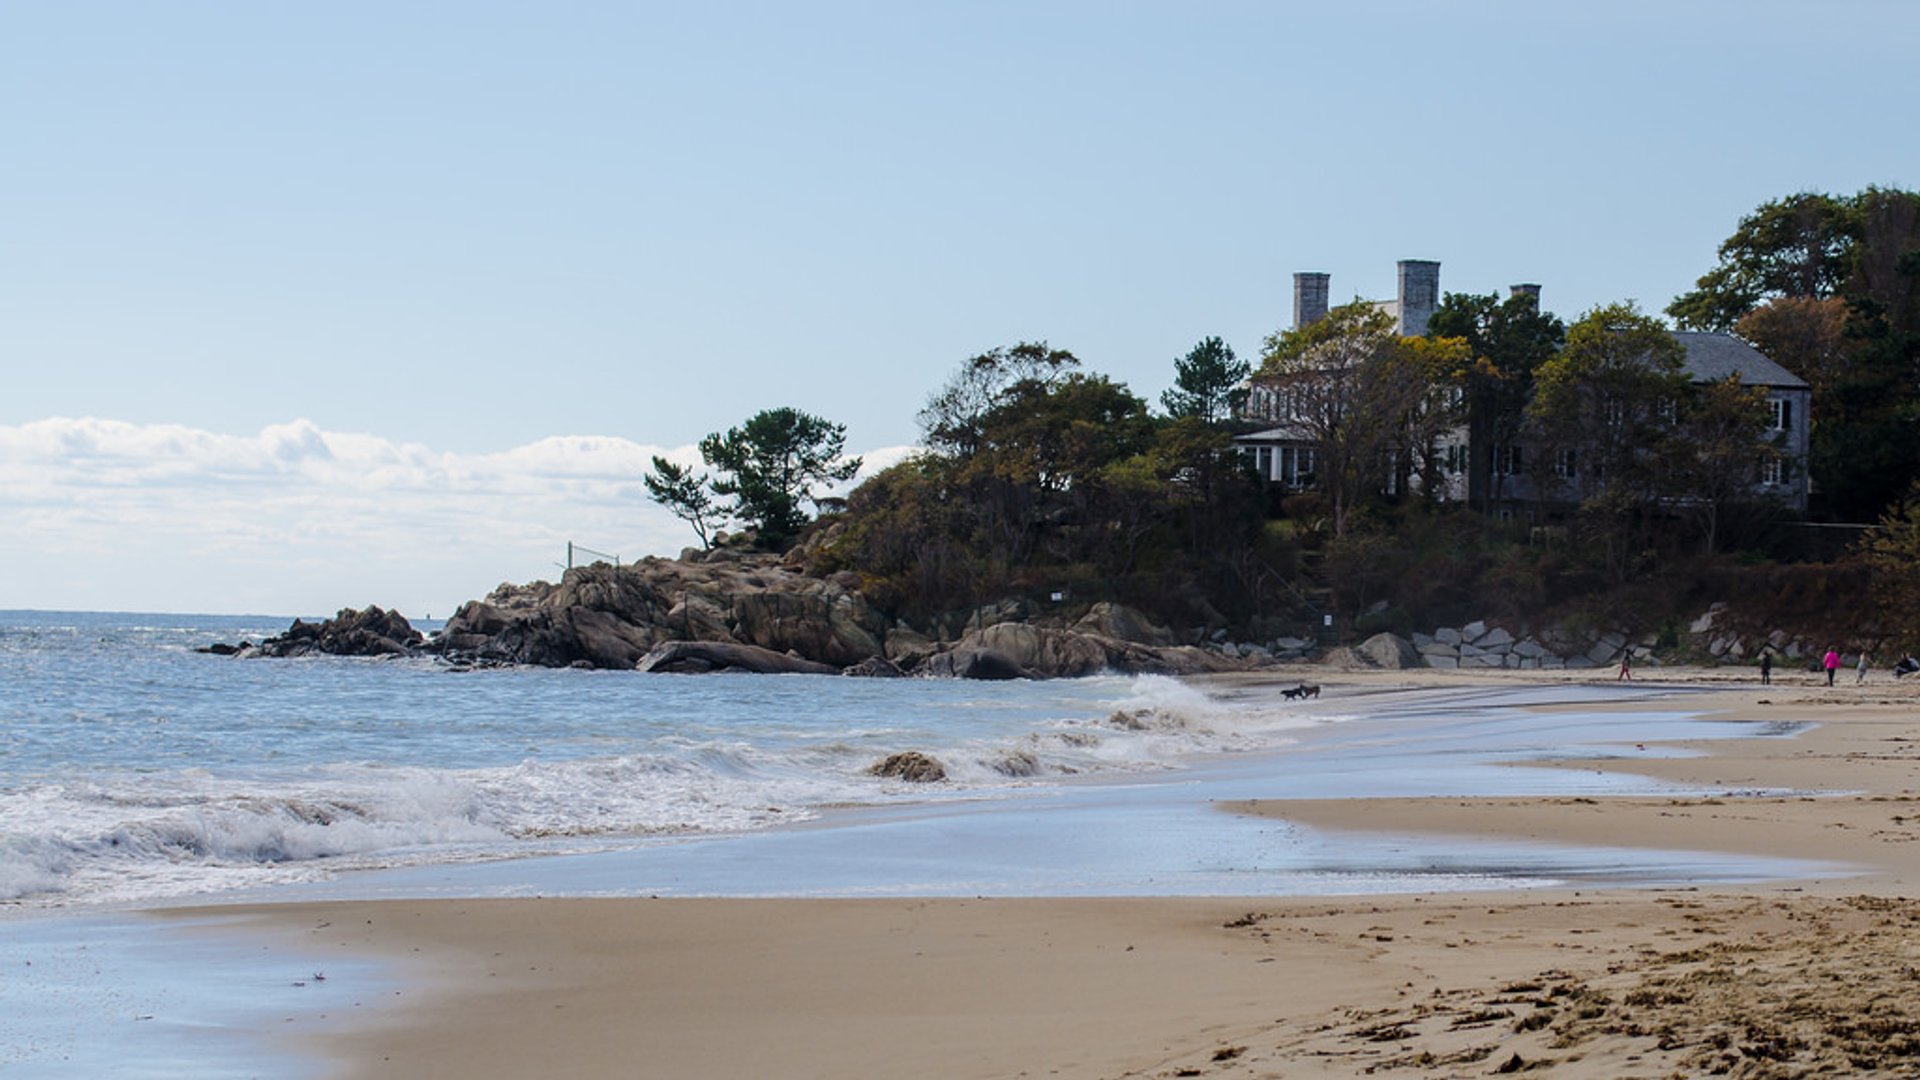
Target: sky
(309, 306)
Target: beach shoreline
(1583, 982)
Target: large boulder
(974, 663)
(830, 624)
(1122, 623)
(1045, 651)
(1055, 652)
(1389, 651)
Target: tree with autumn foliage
(1829, 286)
(1367, 400)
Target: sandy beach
(1796, 978)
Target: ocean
(138, 772)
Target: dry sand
(1818, 977)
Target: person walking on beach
(1860, 674)
(1831, 663)
(1626, 668)
(1766, 669)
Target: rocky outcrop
(611, 617)
(371, 632)
(744, 612)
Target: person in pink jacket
(1832, 664)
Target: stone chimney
(1309, 299)
(1532, 292)
(1419, 294)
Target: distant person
(1907, 666)
(1860, 675)
(1766, 669)
(1626, 668)
(1832, 663)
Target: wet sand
(1777, 979)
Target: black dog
(1301, 691)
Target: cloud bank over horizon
(297, 520)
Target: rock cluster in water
(368, 632)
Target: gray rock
(974, 663)
(1495, 638)
(908, 647)
(1122, 624)
(1473, 631)
(1389, 651)
(1447, 635)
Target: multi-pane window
(1296, 466)
(1566, 465)
(1782, 410)
(1506, 460)
(1772, 471)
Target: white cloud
(109, 515)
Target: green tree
(1506, 342)
(686, 496)
(951, 421)
(1801, 245)
(774, 461)
(1605, 411)
(1207, 383)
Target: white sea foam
(134, 768)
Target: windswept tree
(1366, 400)
(772, 463)
(686, 496)
(1207, 383)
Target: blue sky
(308, 305)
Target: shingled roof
(1712, 357)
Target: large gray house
(1285, 457)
